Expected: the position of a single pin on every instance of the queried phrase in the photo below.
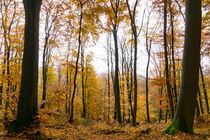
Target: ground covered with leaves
(55, 126)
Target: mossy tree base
(171, 130)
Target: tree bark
(197, 108)
(83, 84)
(166, 61)
(184, 117)
(160, 111)
(148, 49)
(28, 98)
(77, 62)
(172, 51)
(116, 77)
(108, 77)
(200, 100)
(132, 15)
(204, 90)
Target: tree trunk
(44, 76)
(166, 115)
(148, 49)
(160, 111)
(108, 78)
(197, 108)
(69, 100)
(116, 78)
(83, 84)
(184, 117)
(204, 90)
(200, 100)
(77, 62)
(28, 98)
(172, 51)
(67, 82)
(166, 61)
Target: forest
(104, 69)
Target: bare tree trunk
(83, 84)
(67, 82)
(108, 77)
(200, 100)
(166, 115)
(44, 75)
(116, 77)
(77, 62)
(204, 90)
(148, 49)
(184, 117)
(28, 98)
(69, 100)
(197, 108)
(172, 50)
(166, 61)
(160, 111)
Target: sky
(99, 59)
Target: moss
(171, 130)
(167, 129)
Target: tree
(172, 49)
(77, 62)
(149, 37)
(166, 61)
(204, 90)
(184, 116)
(52, 12)
(28, 98)
(115, 9)
(135, 33)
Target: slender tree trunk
(197, 108)
(200, 100)
(113, 82)
(204, 90)
(148, 49)
(44, 75)
(86, 81)
(166, 61)
(108, 80)
(67, 83)
(160, 111)
(77, 62)
(46, 57)
(83, 84)
(172, 50)
(166, 115)
(134, 31)
(116, 78)
(123, 80)
(69, 100)
(185, 112)
(131, 84)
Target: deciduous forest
(154, 77)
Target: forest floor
(56, 126)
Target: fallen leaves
(54, 125)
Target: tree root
(171, 130)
